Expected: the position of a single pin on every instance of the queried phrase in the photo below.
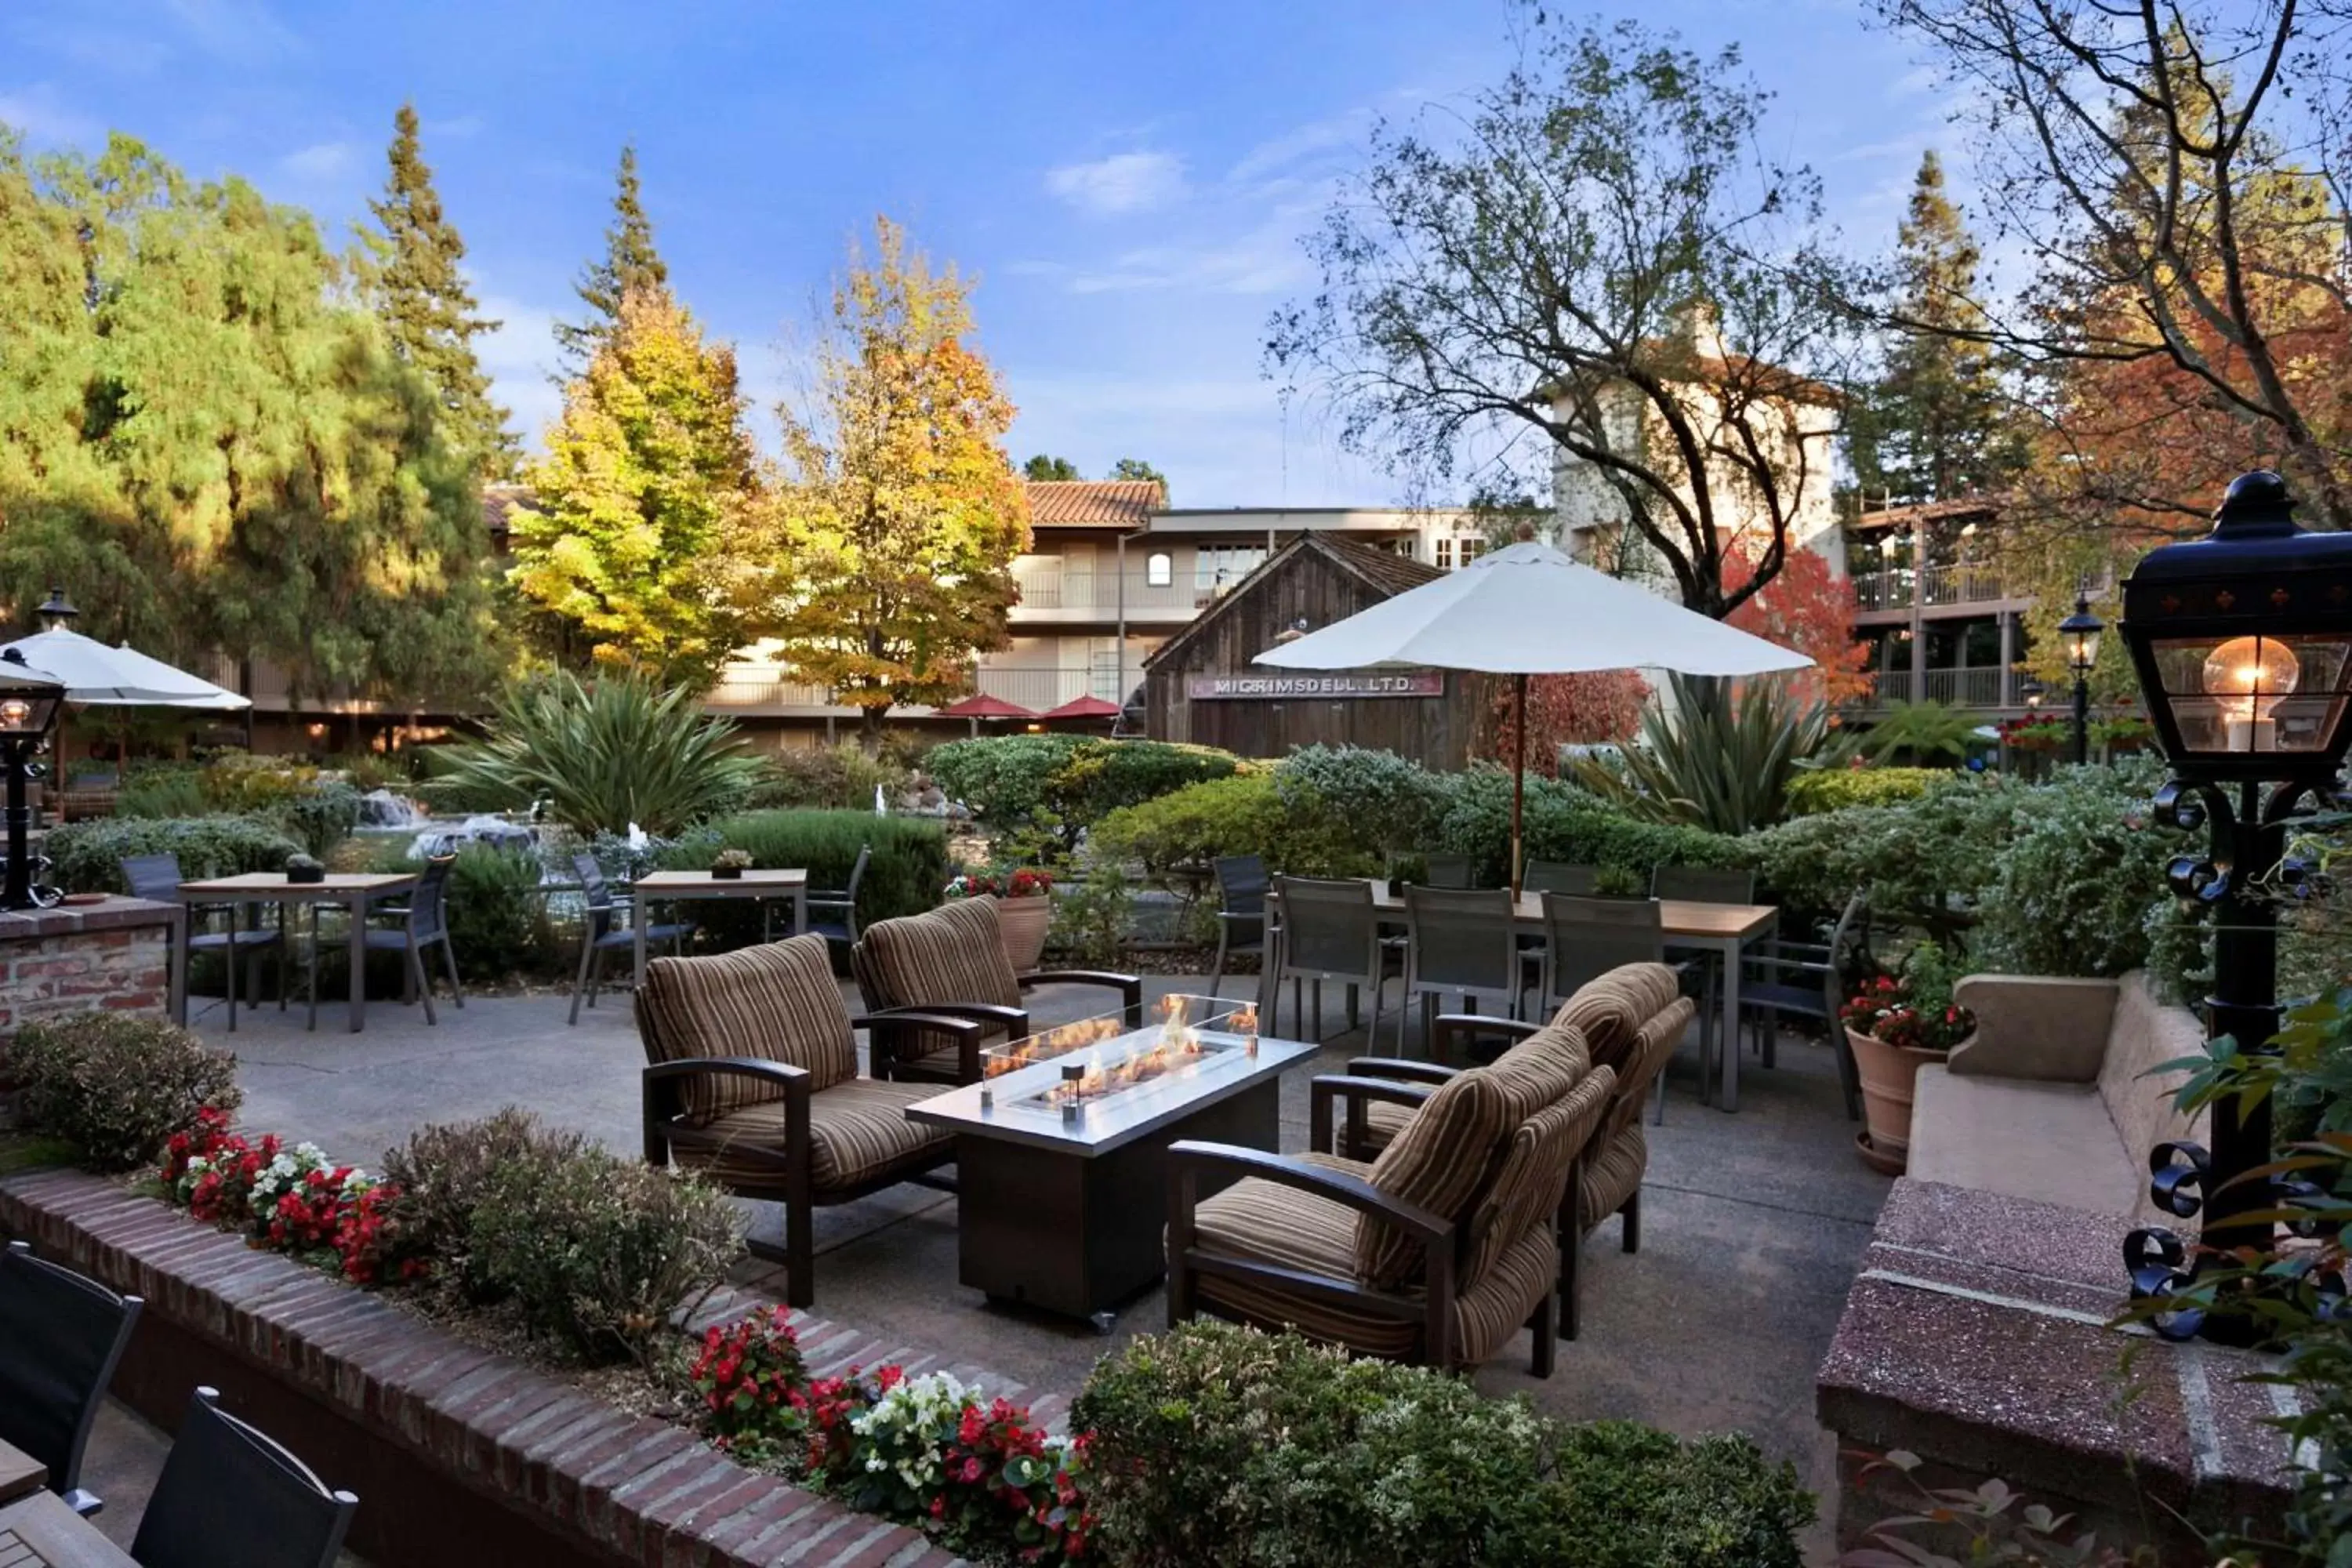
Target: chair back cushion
(1445, 1157)
(1527, 1191)
(1610, 1010)
(952, 953)
(776, 1002)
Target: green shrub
(88, 856)
(2075, 877)
(176, 792)
(117, 1085)
(1562, 822)
(824, 778)
(498, 917)
(444, 1173)
(1367, 801)
(908, 869)
(323, 816)
(1002, 779)
(1011, 780)
(1834, 789)
(1719, 758)
(1092, 917)
(1178, 838)
(598, 1250)
(241, 782)
(1217, 1443)
(604, 755)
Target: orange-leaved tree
(1807, 608)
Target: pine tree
(420, 295)
(900, 514)
(1042, 467)
(1137, 468)
(630, 266)
(649, 473)
(1936, 423)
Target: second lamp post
(2080, 633)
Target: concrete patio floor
(1753, 1224)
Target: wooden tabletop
(274, 884)
(41, 1532)
(779, 880)
(20, 1474)
(1677, 917)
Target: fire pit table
(1063, 1192)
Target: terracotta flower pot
(1023, 923)
(1887, 1074)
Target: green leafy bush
(88, 856)
(1834, 789)
(1091, 918)
(323, 816)
(116, 1084)
(1010, 781)
(443, 1173)
(1002, 779)
(2074, 880)
(175, 792)
(604, 755)
(1377, 1463)
(1367, 801)
(237, 781)
(824, 778)
(908, 869)
(1563, 822)
(498, 917)
(1178, 838)
(598, 1250)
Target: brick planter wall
(115, 956)
(461, 1458)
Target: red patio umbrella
(979, 705)
(1086, 707)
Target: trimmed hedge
(1834, 789)
(88, 856)
(1009, 781)
(1219, 1444)
(904, 877)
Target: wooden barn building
(1200, 684)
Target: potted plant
(729, 864)
(1405, 871)
(1025, 909)
(1896, 1024)
(1618, 882)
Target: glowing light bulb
(14, 713)
(2252, 676)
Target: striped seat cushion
(858, 1131)
(1533, 1182)
(1610, 1010)
(1613, 1173)
(1446, 1155)
(952, 953)
(1264, 1223)
(777, 1002)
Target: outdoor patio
(1753, 1223)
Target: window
(1158, 569)
(1217, 567)
(1459, 552)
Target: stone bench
(2054, 1099)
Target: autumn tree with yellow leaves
(886, 561)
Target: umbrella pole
(1518, 777)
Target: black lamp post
(57, 612)
(2080, 633)
(28, 707)
(2242, 643)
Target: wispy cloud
(321, 161)
(44, 116)
(241, 32)
(1318, 142)
(1913, 82)
(1123, 182)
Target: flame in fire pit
(1048, 1043)
(1178, 1044)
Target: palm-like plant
(1921, 732)
(606, 754)
(1722, 761)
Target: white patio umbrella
(119, 677)
(1524, 610)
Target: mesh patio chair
(1808, 980)
(61, 1337)
(1703, 970)
(1558, 876)
(231, 1497)
(1242, 886)
(1584, 938)
(832, 911)
(1330, 931)
(1448, 871)
(751, 1080)
(1461, 942)
(158, 877)
(419, 924)
(602, 934)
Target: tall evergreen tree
(1043, 467)
(649, 474)
(1936, 423)
(428, 312)
(630, 266)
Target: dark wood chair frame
(1445, 1249)
(663, 1093)
(1397, 1080)
(996, 1020)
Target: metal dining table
(41, 1532)
(1721, 928)
(356, 891)
(679, 887)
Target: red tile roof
(1094, 504)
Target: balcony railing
(746, 686)
(1897, 587)
(1049, 584)
(1965, 688)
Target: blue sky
(1129, 182)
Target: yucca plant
(604, 755)
(1721, 760)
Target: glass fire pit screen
(1102, 1058)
